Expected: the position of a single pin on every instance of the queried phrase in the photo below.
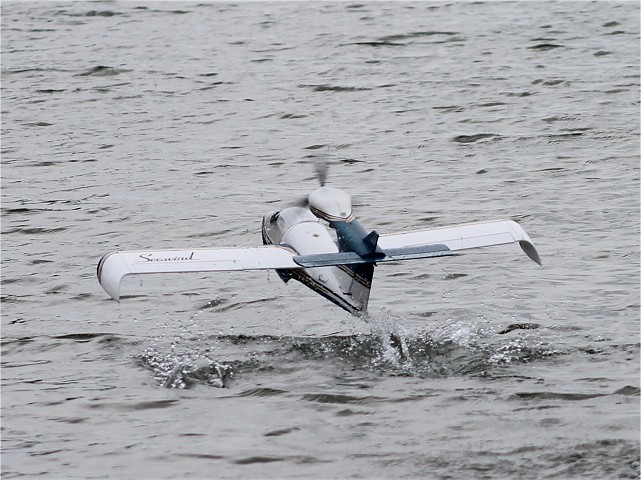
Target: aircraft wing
(114, 266)
(461, 237)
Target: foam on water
(184, 355)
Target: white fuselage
(298, 229)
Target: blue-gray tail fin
(371, 241)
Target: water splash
(186, 362)
(388, 330)
(185, 356)
(182, 369)
(522, 350)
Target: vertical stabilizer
(371, 241)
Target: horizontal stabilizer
(461, 237)
(114, 266)
(390, 255)
(419, 251)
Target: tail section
(354, 275)
(348, 286)
(355, 262)
(356, 282)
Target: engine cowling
(331, 204)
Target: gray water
(137, 125)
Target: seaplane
(321, 244)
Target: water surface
(135, 125)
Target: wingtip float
(298, 246)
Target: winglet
(111, 269)
(530, 251)
(526, 244)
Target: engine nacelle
(331, 204)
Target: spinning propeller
(327, 203)
(321, 168)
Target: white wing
(114, 266)
(461, 237)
